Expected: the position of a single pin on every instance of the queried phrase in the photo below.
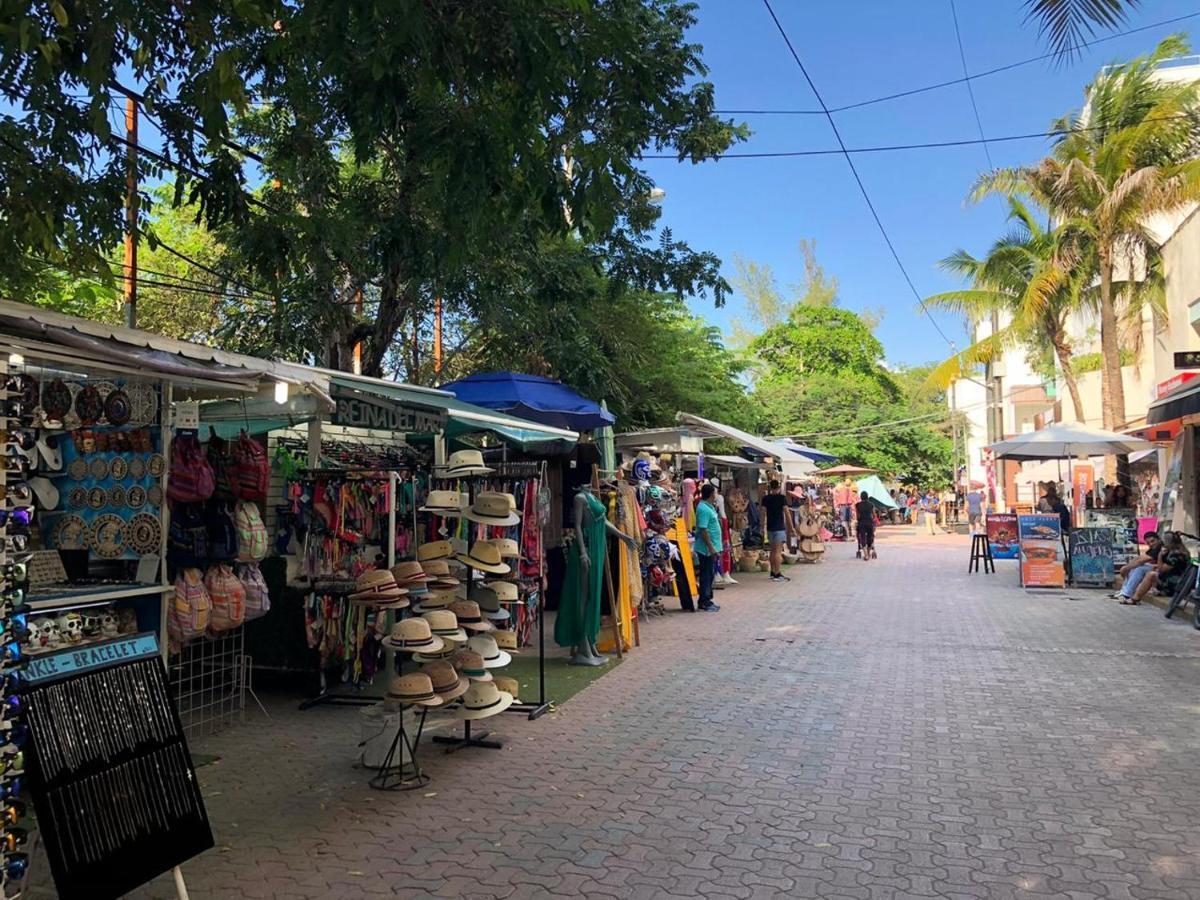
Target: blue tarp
(876, 491)
(532, 397)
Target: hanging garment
(579, 615)
(624, 603)
(628, 520)
(679, 536)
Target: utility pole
(131, 211)
(954, 435)
(437, 337)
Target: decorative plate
(56, 399)
(109, 536)
(145, 534)
(116, 496)
(104, 388)
(98, 468)
(118, 468)
(89, 406)
(156, 465)
(136, 497)
(97, 498)
(78, 469)
(154, 495)
(72, 533)
(137, 468)
(117, 408)
(77, 499)
(144, 400)
(25, 387)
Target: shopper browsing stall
(774, 506)
(708, 546)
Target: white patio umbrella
(1066, 442)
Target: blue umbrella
(531, 397)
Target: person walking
(843, 501)
(902, 502)
(708, 546)
(974, 509)
(864, 514)
(929, 508)
(774, 506)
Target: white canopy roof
(781, 451)
(1064, 441)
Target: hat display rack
(524, 482)
(339, 515)
(14, 834)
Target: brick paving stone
(893, 729)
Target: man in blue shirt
(708, 546)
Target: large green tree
(823, 378)
(403, 144)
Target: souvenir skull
(127, 621)
(34, 635)
(108, 623)
(51, 633)
(71, 626)
(91, 623)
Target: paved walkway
(871, 730)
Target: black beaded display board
(110, 773)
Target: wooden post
(437, 336)
(358, 311)
(131, 212)
(613, 606)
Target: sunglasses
(18, 493)
(23, 438)
(18, 542)
(18, 517)
(14, 571)
(12, 839)
(16, 628)
(11, 787)
(15, 866)
(11, 653)
(12, 812)
(12, 681)
(15, 764)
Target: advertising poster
(1092, 556)
(1041, 551)
(1124, 525)
(1083, 481)
(1002, 535)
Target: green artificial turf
(562, 681)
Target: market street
(870, 730)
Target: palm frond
(1068, 23)
(983, 351)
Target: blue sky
(762, 208)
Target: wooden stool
(981, 549)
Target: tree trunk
(1112, 396)
(1063, 350)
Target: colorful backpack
(228, 599)
(258, 598)
(187, 536)
(191, 476)
(188, 617)
(250, 473)
(220, 462)
(222, 533)
(251, 532)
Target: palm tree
(1030, 282)
(1128, 156)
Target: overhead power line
(962, 55)
(854, 171)
(929, 145)
(967, 78)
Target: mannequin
(578, 622)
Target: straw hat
(508, 548)
(507, 640)
(470, 616)
(492, 508)
(444, 624)
(506, 591)
(438, 569)
(485, 557)
(465, 462)
(378, 587)
(434, 600)
(415, 688)
(447, 683)
(446, 654)
(506, 685)
(471, 664)
(444, 503)
(485, 646)
(489, 605)
(413, 636)
(435, 550)
(482, 700)
(409, 572)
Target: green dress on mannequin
(578, 619)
